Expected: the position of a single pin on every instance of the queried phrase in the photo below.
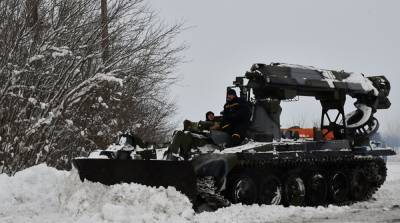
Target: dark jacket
(236, 116)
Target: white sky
(227, 37)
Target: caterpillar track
(306, 182)
(209, 199)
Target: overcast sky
(227, 37)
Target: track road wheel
(270, 190)
(242, 188)
(317, 189)
(358, 184)
(339, 187)
(294, 190)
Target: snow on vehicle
(336, 166)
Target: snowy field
(43, 194)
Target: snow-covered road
(43, 194)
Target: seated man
(235, 122)
(211, 123)
(192, 137)
(236, 118)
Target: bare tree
(104, 30)
(32, 20)
(32, 7)
(58, 99)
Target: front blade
(179, 174)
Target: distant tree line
(391, 134)
(75, 73)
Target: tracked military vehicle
(269, 168)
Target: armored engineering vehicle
(268, 168)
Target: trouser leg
(181, 145)
(237, 137)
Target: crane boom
(279, 81)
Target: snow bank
(43, 194)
